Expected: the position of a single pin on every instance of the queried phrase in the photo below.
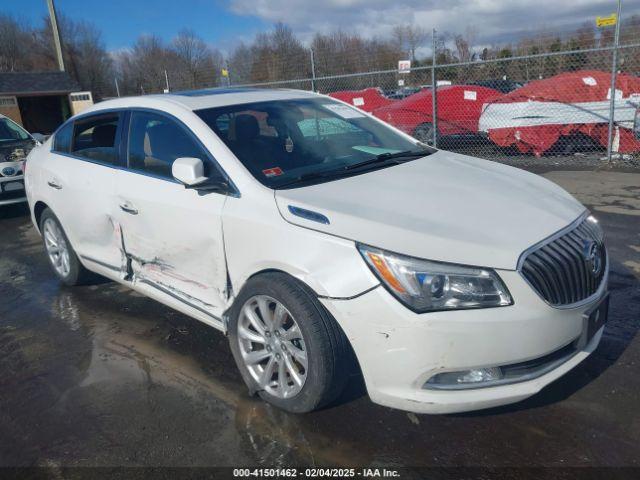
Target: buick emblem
(593, 256)
(8, 171)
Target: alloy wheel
(56, 246)
(272, 346)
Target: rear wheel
(62, 257)
(287, 346)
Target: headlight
(426, 286)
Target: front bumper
(399, 350)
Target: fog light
(465, 378)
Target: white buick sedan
(318, 238)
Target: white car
(318, 237)
(15, 145)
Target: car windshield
(11, 131)
(292, 142)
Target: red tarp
(368, 99)
(459, 108)
(587, 87)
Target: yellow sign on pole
(225, 72)
(607, 21)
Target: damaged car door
(171, 236)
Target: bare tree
(15, 42)
(201, 63)
(142, 67)
(408, 38)
(240, 64)
(416, 37)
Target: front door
(172, 236)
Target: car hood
(444, 207)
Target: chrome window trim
(122, 163)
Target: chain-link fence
(572, 106)
(552, 108)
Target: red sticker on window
(272, 172)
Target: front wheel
(287, 346)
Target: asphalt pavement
(101, 376)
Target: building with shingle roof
(40, 101)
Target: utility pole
(56, 34)
(614, 71)
(166, 79)
(117, 87)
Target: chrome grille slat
(569, 271)
(563, 273)
(563, 270)
(574, 246)
(540, 280)
(574, 265)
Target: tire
(424, 133)
(325, 346)
(69, 269)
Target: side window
(156, 141)
(95, 138)
(62, 140)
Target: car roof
(206, 98)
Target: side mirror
(38, 137)
(188, 171)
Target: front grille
(568, 268)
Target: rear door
(172, 236)
(79, 177)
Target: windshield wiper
(383, 157)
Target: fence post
(434, 97)
(313, 72)
(614, 69)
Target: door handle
(55, 185)
(125, 207)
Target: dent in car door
(79, 178)
(171, 236)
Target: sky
(223, 23)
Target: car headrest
(104, 135)
(246, 127)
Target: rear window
(95, 138)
